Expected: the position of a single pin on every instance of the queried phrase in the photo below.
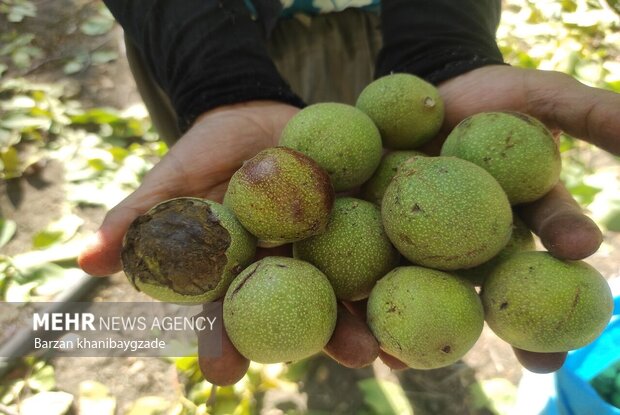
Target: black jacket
(207, 53)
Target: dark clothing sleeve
(205, 53)
(439, 39)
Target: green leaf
(584, 193)
(21, 10)
(7, 231)
(11, 164)
(103, 56)
(44, 239)
(97, 25)
(149, 405)
(73, 66)
(612, 221)
(95, 399)
(43, 378)
(49, 403)
(384, 397)
(24, 122)
(19, 293)
(60, 231)
(96, 116)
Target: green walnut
(446, 213)
(374, 189)
(515, 148)
(353, 252)
(279, 310)
(424, 317)
(542, 304)
(186, 250)
(340, 138)
(280, 196)
(521, 240)
(407, 110)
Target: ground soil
(35, 201)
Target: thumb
(102, 254)
(560, 101)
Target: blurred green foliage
(107, 151)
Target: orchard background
(75, 139)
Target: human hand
(200, 164)
(563, 104)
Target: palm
(556, 99)
(199, 164)
(562, 104)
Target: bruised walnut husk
(280, 196)
(186, 250)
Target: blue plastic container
(574, 394)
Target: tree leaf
(149, 405)
(97, 25)
(60, 231)
(612, 221)
(384, 397)
(73, 66)
(584, 193)
(24, 122)
(95, 399)
(103, 56)
(49, 403)
(43, 378)
(11, 164)
(7, 231)
(46, 238)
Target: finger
(166, 180)
(392, 362)
(102, 254)
(227, 369)
(352, 343)
(281, 250)
(540, 362)
(560, 101)
(357, 308)
(561, 225)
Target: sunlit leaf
(19, 293)
(103, 56)
(97, 25)
(73, 67)
(11, 164)
(149, 405)
(96, 116)
(584, 193)
(24, 122)
(12, 392)
(97, 164)
(7, 231)
(118, 153)
(43, 239)
(49, 403)
(60, 231)
(43, 378)
(95, 399)
(384, 397)
(612, 221)
(19, 11)
(56, 253)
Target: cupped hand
(200, 164)
(562, 104)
